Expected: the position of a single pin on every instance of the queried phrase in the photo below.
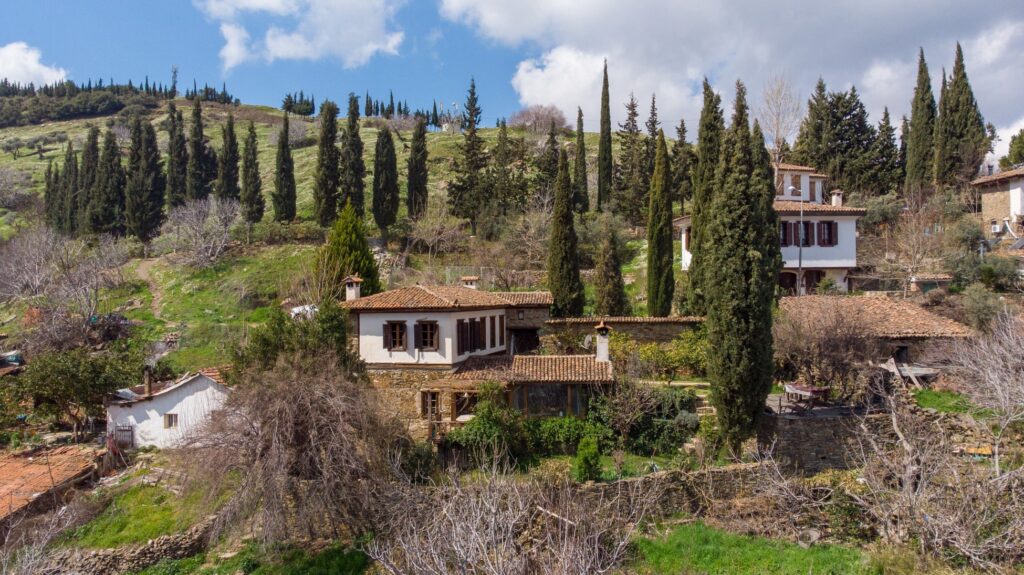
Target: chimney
(352, 287)
(602, 342)
(470, 282)
(837, 198)
(147, 380)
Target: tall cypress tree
(87, 170)
(385, 183)
(106, 212)
(326, 178)
(709, 139)
(904, 135)
(177, 157)
(68, 219)
(609, 288)
(347, 252)
(810, 145)
(416, 200)
(197, 171)
(283, 197)
(367, 105)
(563, 255)
(651, 142)
(884, 174)
(547, 162)
(353, 169)
(252, 202)
(580, 195)
(51, 196)
(743, 261)
(682, 160)
(630, 198)
(506, 176)
(660, 277)
(920, 137)
(961, 140)
(144, 193)
(466, 192)
(604, 147)
(227, 167)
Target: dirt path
(145, 272)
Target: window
(481, 333)
(807, 234)
(828, 234)
(501, 330)
(394, 336)
(427, 336)
(520, 315)
(784, 234)
(794, 182)
(462, 336)
(430, 404)
(812, 190)
(170, 420)
(494, 331)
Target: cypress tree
(580, 195)
(87, 177)
(810, 145)
(385, 183)
(920, 135)
(743, 261)
(416, 200)
(252, 202)
(547, 162)
(563, 256)
(51, 196)
(368, 105)
(283, 197)
(106, 212)
(682, 160)
(508, 184)
(604, 147)
(651, 142)
(326, 179)
(353, 169)
(227, 167)
(68, 219)
(904, 135)
(144, 192)
(197, 175)
(660, 277)
(435, 120)
(709, 138)
(466, 193)
(885, 175)
(609, 288)
(347, 252)
(961, 140)
(1015, 155)
(177, 157)
(630, 176)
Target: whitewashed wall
(371, 337)
(192, 401)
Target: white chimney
(352, 287)
(602, 342)
(470, 282)
(837, 198)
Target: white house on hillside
(818, 239)
(163, 414)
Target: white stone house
(164, 414)
(818, 238)
(1002, 202)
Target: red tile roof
(536, 369)
(795, 168)
(427, 298)
(612, 320)
(789, 208)
(881, 316)
(527, 298)
(994, 178)
(26, 476)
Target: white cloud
(351, 31)
(1002, 147)
(21, 63)
(667, 47)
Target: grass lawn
(943, 401)
(334, 560)
(138, 514)
(632, 466)
(696, 548)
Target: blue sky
(525, 52)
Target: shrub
(689, 351)
(980, 306)
(419, 461)
(495, 427)
(587, 466)
(562, 435)
(667, 423)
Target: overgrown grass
(335, 560)
(138, 514)
(942, 401)
(697, 548)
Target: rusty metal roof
(24, 477)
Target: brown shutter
(795, 228)
(810, 234)
(783, 234)
(458, 336)
(835, 233)
(822, 240)
(417, 331)
(387, 335)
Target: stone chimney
(837, 198)
(352, 287)
(147, 380)
(602, 342)
(470, 282)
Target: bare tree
(437, 231)
(200, 230)
(913, 245)
(779, 114)
(15, 189)
(26, 263)
(538, 118)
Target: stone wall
(658, 331)
(132, 558)
(533, 317)
(995, 205)
(399, 393)
(813, 441)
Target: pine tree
(177, 157)
(353, 169)
(609, 288)
(660, 277)
(920, 137)
(885, 175)
(580, 194)
(227, 168)
(348, 253)
(326, 177)
(106, 212)
(198, 172)
(743, 261)
(682, 162)
(709, 139)
(1015, 155)
(385, 183)
(144, 192)
(67, 222)
(630, 178)
(506, 177)
(283, 196)
(604, 148)
(466, 192)
(961, 140)
(810, 147)
(252, 202)
(563, 255)
(547, 162)
(416, 200)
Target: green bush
(419, 461)
(269, 232)
(495, 427)
(562, 435)
(662, 429)
(689, 351)
(980, 306)
(587, 466)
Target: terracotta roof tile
(882, 316)
(526, 298)
(26, 476)
(215, 373)
(789, 207)
(427, 298)
(536, 369)
(931, 277)
(795, 168)
(1004, 175)
(612, 320)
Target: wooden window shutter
(835, 233)
(822, 240)
(810, 234)
(387, 336)
(784, 234)
(417, 331)
(459, 345)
